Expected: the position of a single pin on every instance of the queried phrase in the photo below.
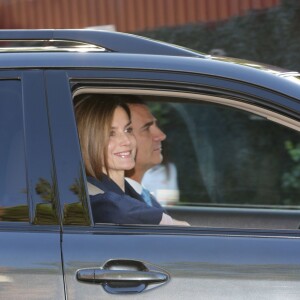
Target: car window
(224, 166)
(221, 156)
(13, 199)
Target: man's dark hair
(133, 99)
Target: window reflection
(46, 213)
(77, 213)
(13, 193)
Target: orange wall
(126, 15)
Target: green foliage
(291, 179)
(77, 213)
(270, 36)
(14, 214)
(160, 112)
(46, 213)
(45, 190)
(74, 214)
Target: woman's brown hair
(94, 114)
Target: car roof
(105, 40)
(101, 49)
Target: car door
(162, 262)
(30, 260)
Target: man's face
(148, 137)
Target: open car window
(226, 166)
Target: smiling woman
(121, 146)
(108, 149)
(104, 130)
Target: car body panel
(212, 67)
(210, 265)
(193, 83)
(68, 164)
(30, 264)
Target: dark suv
(233, 140)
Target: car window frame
(36, 138)
(151, 81)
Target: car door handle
(104, 276)
(124, 276)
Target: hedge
(269, 36)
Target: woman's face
(122, 143)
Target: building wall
(125, 15)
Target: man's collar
(136, 185)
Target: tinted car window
(13, 194)
(226, 156)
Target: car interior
(235, 164)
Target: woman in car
(108, 148)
